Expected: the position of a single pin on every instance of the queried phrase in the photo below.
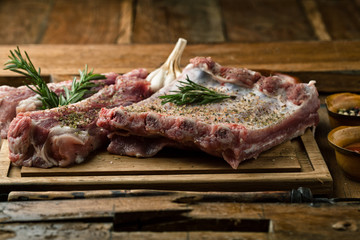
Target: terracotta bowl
(349, 161)
(338, 101)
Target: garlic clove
(157, 79)
(170, 70)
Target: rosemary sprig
(25, 67)
(49, 99)
(192, 93)
(79, 88)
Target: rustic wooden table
(310, 39)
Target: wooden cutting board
(290, 165)
(172, 161)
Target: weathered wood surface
(276, 56)
(298, 196)
(176, 216)
(336, 65)
(150, 21)
(261, 20)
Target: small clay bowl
(338, 101)
(349, 161)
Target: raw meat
(266, 112)
(14, 100)
(66, 135)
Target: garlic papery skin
(170, 70)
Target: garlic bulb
(170, 70)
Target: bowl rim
(335, 114)
(337, 147)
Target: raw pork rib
(66, 135)
(15, 100)
(266, 112)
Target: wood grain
(316, 19)
(162, 217)
(23, 22)
(195, 197)
(87, 22)
(4, 162)
(125, 22)
(166, 21)
(285, 56)
(341, 18)
(86, 208)
(149, 21)
(264, 21)
(171, 161)
(61, 230)
(331, 81)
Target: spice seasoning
(253, 110)
(355, 111)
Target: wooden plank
(263, 20)
(279, 159)
(190, 235)
(285, 56)
(302, 157)
(316, 20)
(188, 197)
(125, 22)
(78, 230)
(332, 81)
(327, 218)
(311, 222)
(319, 183)
(4, 159)
(60, 78)
(17, 81)
(86, 208)
(23, 21)
(160, 217)
(166, 21)
(342, 18)
(87, 22)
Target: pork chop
(66, 135)
(265, 112)
(22, 99)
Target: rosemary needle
(80, 88)
(192, 93)
(50, 99)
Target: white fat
(262, 145)
(30, 104)
(60, 132)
